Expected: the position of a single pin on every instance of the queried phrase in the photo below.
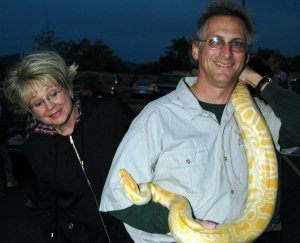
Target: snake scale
(262, 184)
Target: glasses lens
(37, 104)
(216, 42)
(52, 96)
(237, 46)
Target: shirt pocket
(187, 158)
(186, 166)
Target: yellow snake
(262, 185)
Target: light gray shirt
(182, 148)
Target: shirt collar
(187, 98)
(190, 102)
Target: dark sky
(137, 30)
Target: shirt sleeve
(138, 154)
(286, 106)
(152, 217)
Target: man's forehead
(225, 26)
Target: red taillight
(134, 85)
(152, 86)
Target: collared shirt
(182, 148)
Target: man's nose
(227, 50)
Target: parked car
(111, 85)
(167, 82)
(146, 87)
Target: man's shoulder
(162, 104)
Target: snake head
(122, 173)
(139, 195)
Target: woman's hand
(249, 76)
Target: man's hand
(249, 76)
(207, 224)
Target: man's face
(221, 67)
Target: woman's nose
(49, 104)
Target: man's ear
(195, 51)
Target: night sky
(137, 30)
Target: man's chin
(226, 79)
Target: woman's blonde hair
(38, 69)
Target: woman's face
(51, 105)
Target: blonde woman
(70, 149)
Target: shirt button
(232, 192)
(225, 158)
(71, 226)
(188, 161)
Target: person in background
(90, 84)
(70, 150)
(278, 65)
(4, 150)
(188, 141)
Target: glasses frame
(48, 97)
(223, 43)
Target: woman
(70, 149)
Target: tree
(91, 57)
(265, 54)
(45, 40)
(176, 57)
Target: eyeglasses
(219, 43)
(53, 96)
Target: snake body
(262, 184)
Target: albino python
(262, 185)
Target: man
(188, 141)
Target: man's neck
(211, 94)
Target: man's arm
(286, 106)
(152, 217)
(284, 103)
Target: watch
(263, 81)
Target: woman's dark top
(63, 201)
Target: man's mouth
(223, 65)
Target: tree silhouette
(90, 57)
(45, 40)
(176, 57)
(265, 54)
